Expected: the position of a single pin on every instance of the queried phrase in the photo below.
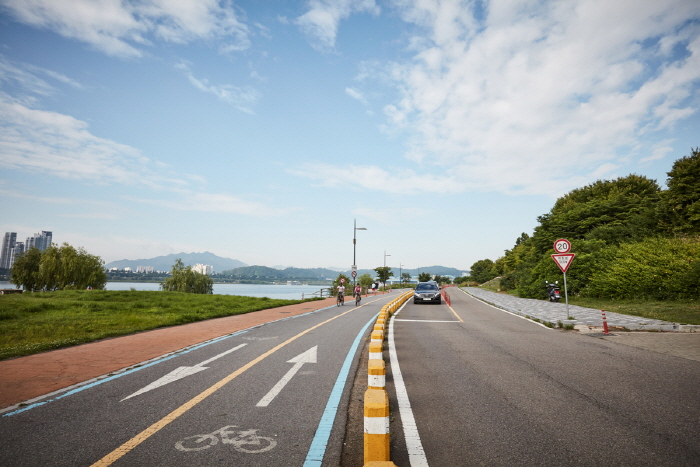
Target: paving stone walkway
(551, 312)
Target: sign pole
(566, 297)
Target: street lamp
(385, 255)
(354, 243)
(400, 275)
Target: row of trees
(58, 268)
(69, 268)
(632, 239)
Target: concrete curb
(377, 435)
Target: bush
(656, 268)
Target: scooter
(553, 292)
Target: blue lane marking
(318, 446)
(160, 360)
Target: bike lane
(220, 395)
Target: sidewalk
(26, 378)
(553, 313)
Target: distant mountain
(265, 273)
(165, 263)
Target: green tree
(681, 202)
(405, 277)
(384, 273)
(483, 271)
(424, 277)
(60, 268)
(184, 279)
(25, 271)
(365, 281)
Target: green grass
(675, 311)
(37, 322)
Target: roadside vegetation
(635, 244)
(36, 322)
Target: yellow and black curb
(377, 435)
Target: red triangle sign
(563, 260)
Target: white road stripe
(416, 455)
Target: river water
(288, 292)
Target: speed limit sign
(562, 246)
(342, 280)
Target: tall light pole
(400, 275)
(354, 243)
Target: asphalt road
(257, 398)
(497, 390)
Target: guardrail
(377, 433)
(320, 293)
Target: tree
(424, 277)
(59, 268)
(405, 277)
(681, 202)
(384, 273)
(184, 279)
(365, 281)
(25, 271)
(483, 271)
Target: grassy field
(675, 311)
(37, 322)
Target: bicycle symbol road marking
(247, 441)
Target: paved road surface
(263, 397)
(497, 390)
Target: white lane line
(427, 321)
(180, 373)
(307, 357)
(416, 455)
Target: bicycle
(358, 297)
(242, 438)
(340, 300)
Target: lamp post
(354, 243)
(400, 275)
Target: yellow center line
(448, 306)
(113, 456)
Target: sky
(266, 131)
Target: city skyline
(262, 131)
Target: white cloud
(240, 97)
(355, 94)
(214, 202)
(322, 20)
(39, 141)
(537, 97)
(121, 27)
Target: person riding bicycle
(358, 290)
(341, 291)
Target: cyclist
(358, 293)
(341, 292)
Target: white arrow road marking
(307, 357)
(180, 373)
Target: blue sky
(260, 130)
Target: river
(289, 292)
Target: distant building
(40, 241)
(144, 269)
(8, 244)
(203, 269)
(127, 269)
(16, 251)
